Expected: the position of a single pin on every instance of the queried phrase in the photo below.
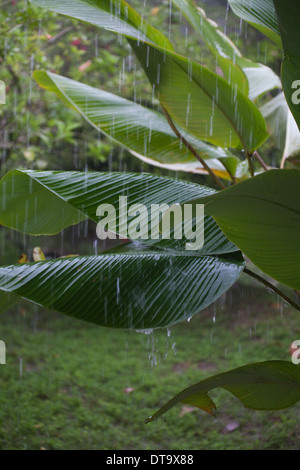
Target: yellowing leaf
(38, 254)
(155, 10)
(23, 259)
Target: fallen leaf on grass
(23, 259)
(84, 66)
(186, 409)
(230, 427)
(128, 390)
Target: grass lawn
(72, 385)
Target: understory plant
(198, 120)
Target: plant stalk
(258, 157)
(272, 287)
(192, 150)
(249, 158)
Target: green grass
(71, 385)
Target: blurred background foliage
(37, 131)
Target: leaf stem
(271, 286)
(192, 150)
(249, 158)
(59, 35)
(258, 157)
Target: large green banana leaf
(45, 202)
(261, 14)
(113, 15)
(144, 132)
(138, 289)
(217, 41)
(288, 19)
(270, 385)
(129, 287)
(201, 101)
(196, 98)
(253, 79)
(262, 217)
